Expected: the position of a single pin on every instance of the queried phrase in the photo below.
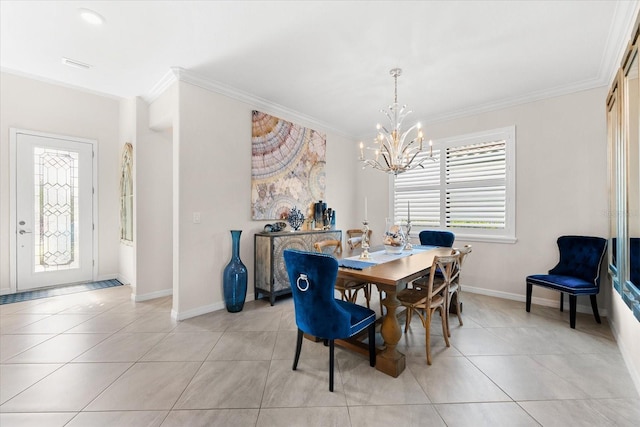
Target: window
(469, 187)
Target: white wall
(39, 106)
(561, 188)
(213, 152)
(152, 208)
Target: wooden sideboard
(270, 274)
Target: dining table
(390, 273)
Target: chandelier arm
(387, 157)
(409, 145)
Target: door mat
(52, 292)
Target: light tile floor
(98, 359)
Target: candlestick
(366, 215)
(365, 241)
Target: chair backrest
(464, 251)
(331, 247)
(437, 238)
(581, 257)
(446, 268)
(354, 237)
(312, 277)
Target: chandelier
(394, 151)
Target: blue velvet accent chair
(437, 238)
(318, 312)
(577, 273)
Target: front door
(54, 210)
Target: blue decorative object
(318, 312)
(296, 218)
(235, 277)
(577, 273)
(437, 238)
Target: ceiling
(327, 60)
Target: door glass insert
(56, 210)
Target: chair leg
(445, 325)
(561, 301)
(372, 344)
(594, 307)
(350, 295)
(331, 347)
(408, 313)
(572, 310)
(458, 307)
(427, 331)
(529, 289)
(298, 348)
(367, 294)
(445, 311)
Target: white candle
(361, 150)
(365, 209)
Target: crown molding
(162, 85)
(617, 41)
(60, 83)
(515, 101)
(183, 75)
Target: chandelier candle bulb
(361, 150)
(431, 148)
(408, 211)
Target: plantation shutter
(421, 187)
(476, 186)
(467, 186)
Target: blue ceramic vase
(235, 277)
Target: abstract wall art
(287, 167)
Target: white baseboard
(199, 311)
(580, 308)
(124, 280)
(151, 295)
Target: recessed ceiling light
(92, 17)
(75, 64)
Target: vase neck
(235, 240)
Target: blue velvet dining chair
(318, 312)
(577, 273)
(437, 238)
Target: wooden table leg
(390, 360)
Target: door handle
(24, 231)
